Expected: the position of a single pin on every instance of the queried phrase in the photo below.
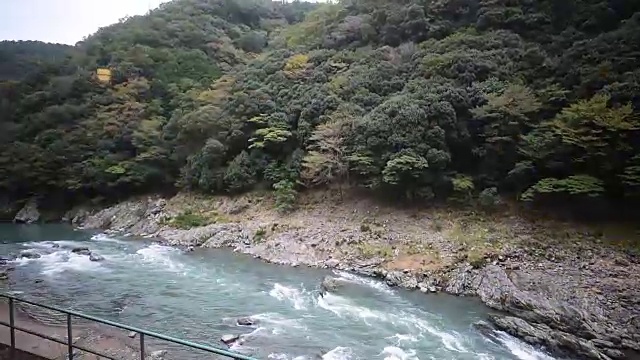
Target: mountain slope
(461, 99)
(68, 133)
(18, 59)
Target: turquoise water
(198, 295)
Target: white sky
(64, 21)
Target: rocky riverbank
(567, 290)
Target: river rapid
(199, 295)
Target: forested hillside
(421, 99)
(20, 58)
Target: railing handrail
(171, 339)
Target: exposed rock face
(559, 326)
(402, 279)
(237, 208)
(139, 217)
(76, 216)
(461, 281)
(210, 236)
(558, 342)
(29, 213)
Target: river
(199, 295)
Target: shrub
(285, 195)
(188, 220)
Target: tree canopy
(419, 99)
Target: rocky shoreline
(578, 298)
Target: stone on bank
(29, 213)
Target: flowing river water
(199, 295)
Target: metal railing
(69, 341)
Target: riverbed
(199, 295)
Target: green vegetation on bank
(420, 99)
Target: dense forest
(422, 100)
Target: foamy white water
(161, 256)
(199, 295)
(378, 285)
(290, 294)
(339, 353)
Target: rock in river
(95, 257)
(229, 339)
(81, 250)
(329, 283)
(246, 321)
(29, 254)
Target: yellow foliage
(297, 62)
(219, 91)
(104, 74)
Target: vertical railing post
(69, 337)
(12, 325)
(141, 346)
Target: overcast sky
(64, 21)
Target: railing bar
(12, 323)
(61, 342)
(141, 331)
(69, 337)
(141, 346)
(82, 348)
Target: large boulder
(329, 284)
(120, 217)
(210, 236)
(29, 213)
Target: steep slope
(460, 99)
(424, 99)
(69, 134)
